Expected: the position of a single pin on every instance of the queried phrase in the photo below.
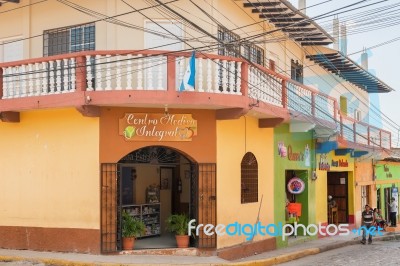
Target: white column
(98, 73)
(30, 80)
(44, 79)
(108, 73)
(73, 74)
(66, 76)
(209, 75)
(129, 72)
(200, 74)
(140, 72)
(37, 79)
(89, 75)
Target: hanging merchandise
(296, 185)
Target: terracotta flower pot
(128, 243)
(182, 241)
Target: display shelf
(149, 213)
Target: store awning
(284, 16)
(339, 64)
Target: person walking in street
(393, 212)
(367, 221)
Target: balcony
(231, 86)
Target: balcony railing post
(380, 138)
(354, 132)
(171, 73)
(80, 73)
(369, 135)
(341, 125)
(284, 94)
(244, 82)
(1, 83)
(313, 94)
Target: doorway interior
(155, 182)
(338, 189)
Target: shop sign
(296, 185)
(157, 127)
(323, 163)
(284, 151)
(294, 156)
(387, 171)
(340, 163)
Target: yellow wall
(50, 170)
(322, 185)
(234, 139)
(364, 177)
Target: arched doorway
(151, 183)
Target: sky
(383, 61)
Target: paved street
(379, 253)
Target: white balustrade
(200, 75)
(37, 79)
(209, 75)
(65, 76)
(45, 72)
(129, 72)
(6, 83)
(118, 73)
(218, 77)
(58, 77)
(24, 78)
(140, 73)
(238, 78)
(98, 74)
(181, 61)
(73, 74)
(30, 80)
(108, 73)
(160, 73)
(89, 75)
(52, 78)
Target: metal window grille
(69, 39)
(296, 71)
(254, 53)
(249, 178)
(230, 47)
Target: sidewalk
(299, 250)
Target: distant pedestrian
(393, 212)
(367, 221)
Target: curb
(265, 262)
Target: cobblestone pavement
(378, 253)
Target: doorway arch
(151, 165)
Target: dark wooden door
(206, 199)
(338, 189)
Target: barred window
(253, 53)
(296, 71)
(249, 178)
(227, 36)
(69, 39)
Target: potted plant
(132, 227)
(178, 224)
